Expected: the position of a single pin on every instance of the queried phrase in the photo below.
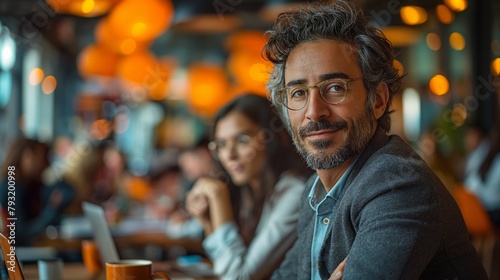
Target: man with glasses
(374, 206)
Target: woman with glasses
(250, 214)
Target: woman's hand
(212, 189)
(210, 203)
(197, 205)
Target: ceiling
(186, 36)
(71, 33)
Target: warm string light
(457, 41)
(49, 85)
(457, 5)
(142, 20)
(444, 14)
(413, 15)
(439, 85)
(495, 66)
(83, 8)
(433, 41)
(121, 45)
(97, 61)
(245, 63)
(36, 76)
(208, 87)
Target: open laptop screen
(101, 232)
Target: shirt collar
(318, 193)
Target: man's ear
(381, 99)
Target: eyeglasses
(333, 91)
(239, 142)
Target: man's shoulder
(386, 150)
(394, 163)
(394, 153)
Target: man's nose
(316, 108)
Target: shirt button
(326, 221)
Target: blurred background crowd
(112, 101)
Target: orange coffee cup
(132, 269)
(91, 256)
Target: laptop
(188, 265)
(102, 234)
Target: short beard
(357, 139)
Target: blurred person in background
(35, 204)
(250, 214)
(431, 151)
(164, 197)
(113, 177)
(82, 168)
(196, 162)
(482, 171)
(121, 193)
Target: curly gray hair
(342, 21)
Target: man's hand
(338, 272)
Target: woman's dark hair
(280, 153)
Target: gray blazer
(394, 219)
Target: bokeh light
(457, 41)
(36, 76)
(248, 69)
(444, 14)
(456, 5)
(398, 65)
(142, 20)
(110, 40)
(495, 66)
(7, 51)
(88, 6)
(208, 87)
(458, 115)
(97, 61)
(83, 8)
(49, 84)
(413, 15)
(439, 85)
(141, 68)
(433, 41)
(100, 129)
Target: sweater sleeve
(274, 236)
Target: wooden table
(77, 271)
(71, 271)
(132, 240)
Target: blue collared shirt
(322, 203)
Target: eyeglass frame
(213, 147)
(346, 82)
